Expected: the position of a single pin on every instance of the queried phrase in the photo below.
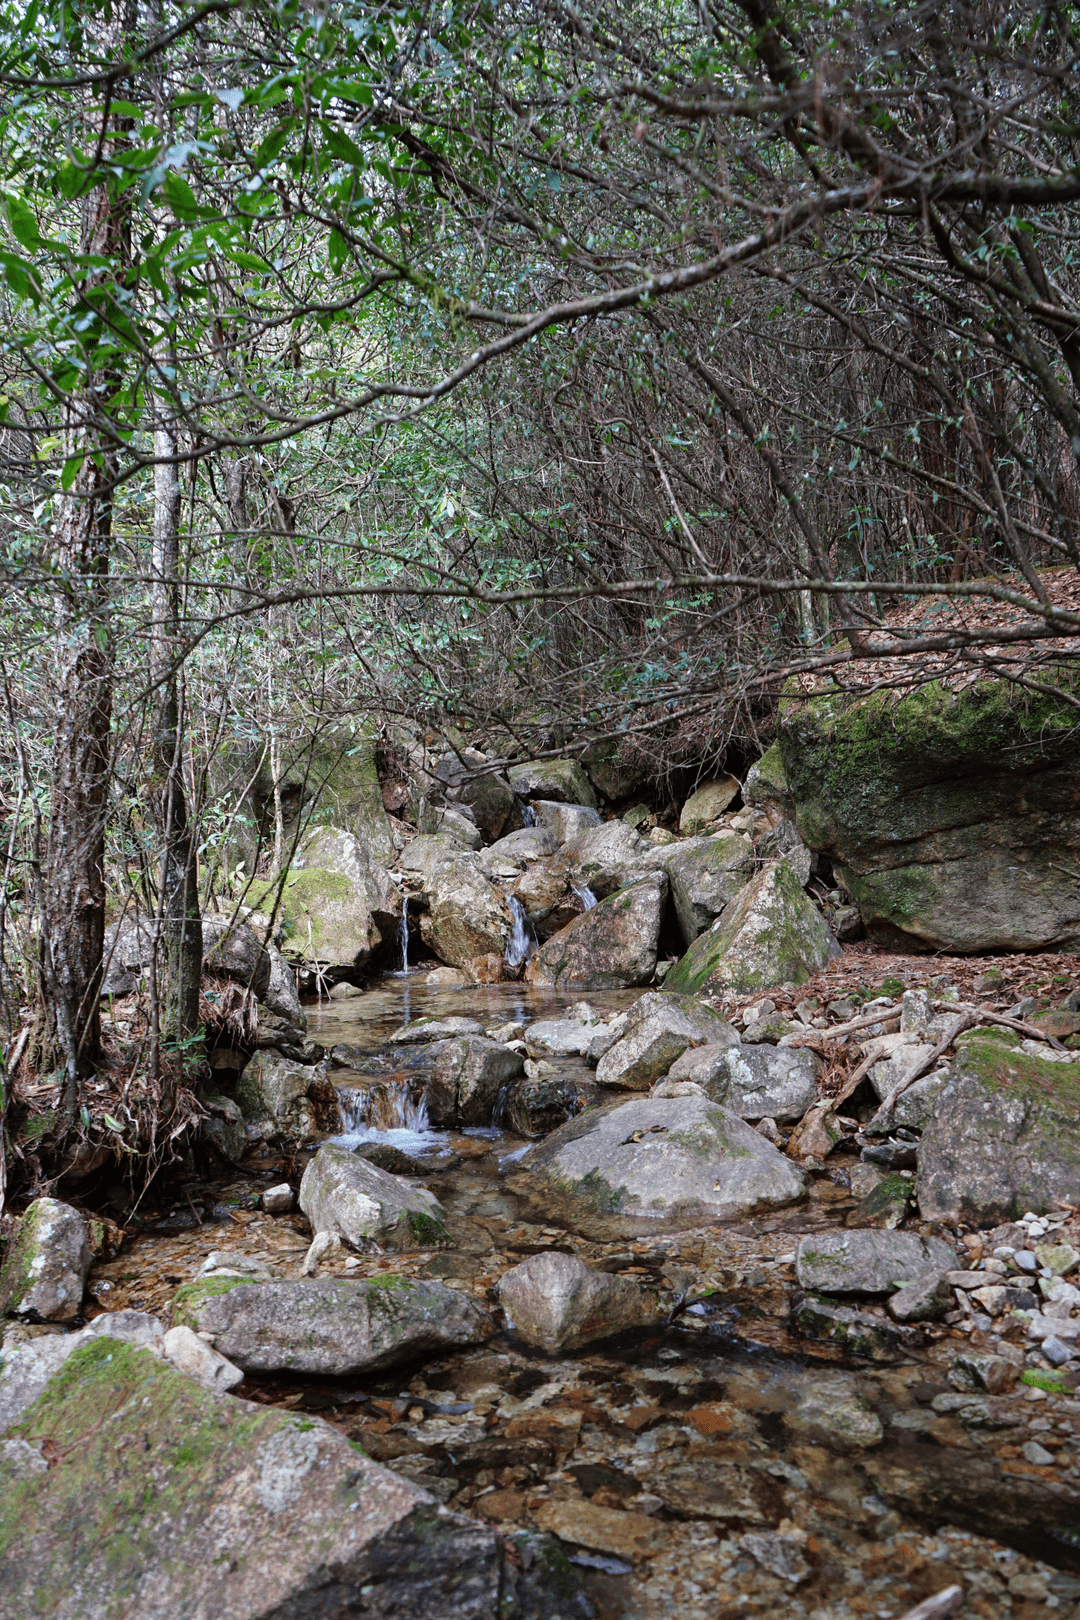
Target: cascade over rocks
(612, 947)
(46, 1263)
(131, 1513)
(771, 934)
(346, 1196)
(625, 1166)
(950, 816)
(606, 858)
(1003, 1137)
(332, 1327)
(466, 915)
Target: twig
(938, 1606)
(965, 1021)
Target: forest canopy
(551, 374)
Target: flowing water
(684, 1467)
(522, 941)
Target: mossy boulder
(611, 947)
(705, 876)
(336, 1325)
(273, 1096)
(130, 1489)
(46, 1264)
(355, 1200)
(679, 1161)
(766, 786)
(771, 934)
(346, 921)
(1004, 1137)
(707, 804)
(949, 815)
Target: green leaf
(180, 197)
(23, 224)
(272, 145)
(19, 276)
(342, 148)
(247, 261)
(113, 1124)
(70, 471)
(337, 250)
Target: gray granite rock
(868, 1262)
(556, 1301)
(764, 1082)
(346, 1196)
(46, 1264)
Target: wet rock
(868, 1262)
(682, 1159)
(281, 997)
(655, 1038)
(424, 1030)
(606, 1530)
(1003, 1136)
(273, 1096)
(714, 1488)
(144, 1492)
(196, 1359)
(857, 1332)
(705, 876)
(332, 1326)
(277, 1200)
(705, 806)
(466, 915)
(887, 1204)
(973, 1369)
(779, 1554)
(538, 1107)
(489, 969)
(926, 1299)
(565, 822)
(756, 1082)
(606, 858)
(449, 821)
(46, 1264)
(558, 1302)
(467, 1078)
(559, 779)
(353, 1199)
(611, 947)
(830, 1410)
(569, 1036)
(771, 934)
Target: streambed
(706, 1469)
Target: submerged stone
(556, 1301)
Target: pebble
(1037, 1455)
(1026, 1261)
(1056, 1352)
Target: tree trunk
(180, 917)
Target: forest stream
(714, 1466)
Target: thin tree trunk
(181, 921)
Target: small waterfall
(353, 1104)
(528, 814)
(499, 1112)
(585, 895)
(522, 941)
(403, 934)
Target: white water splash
(403, 934)
(585, 895)
(411, 1131)
(522, 941)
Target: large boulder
(659, 1030)
(338, 899)
(611, 947)
(449, 821)
(950, 815)
(128, 1488)
(565, 821)
(556, 1301)
(766, 786)
(755, 1082)
(273, 1096)
(561, 779)
(771, 934)
(352, 1199)
(467, 777)
(682, 1161)
(334, 1326)
(46, 1264)
(604, 858)
(468, 1075)
(707, 804)
(705, 876)
(1004, 1136)
(868, 1262)
(234, 950)
(527, 844)
(466, 915)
